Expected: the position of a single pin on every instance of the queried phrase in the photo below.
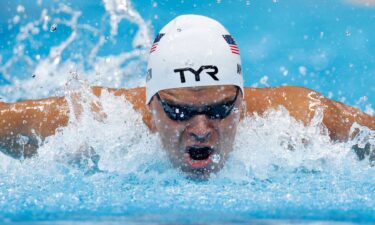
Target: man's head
(194, 90)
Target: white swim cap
(192, 51)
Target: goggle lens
(183, 113)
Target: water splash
(113, 166)
(51, 71)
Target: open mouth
(198, 156)
(199, 152)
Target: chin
(203, 173)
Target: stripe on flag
(232, 44)
(156, 41)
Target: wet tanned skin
(40, 118)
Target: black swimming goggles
(184, 112)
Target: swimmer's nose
(199, 128)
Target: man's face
(200, 143)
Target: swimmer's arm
(339, 118)
(302, 104)
(34, 120)
(24, 124)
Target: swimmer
(194, 99)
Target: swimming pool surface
(51, 47)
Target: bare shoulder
(296, 91)
(136, 96)
(299, 101)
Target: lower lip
(197, 163)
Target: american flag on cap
(156, 41)
(232, 44)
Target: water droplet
(216, 158)
(22, 140)
(264, 80)
(302, 70)
(20, 9)
(321, 34)
(56, 60)
(16, 19)
(284, 71)
(53, 28)
(189, 63)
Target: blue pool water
(324, 45)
